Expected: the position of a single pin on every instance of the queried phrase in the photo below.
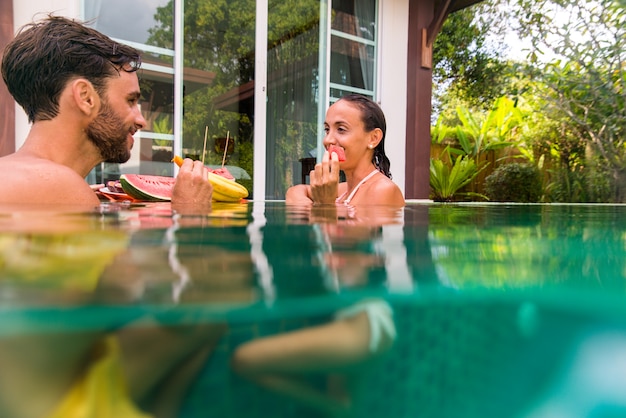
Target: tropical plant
(477, 132)
(480, 133)
(162, 125)
(590, 184)
(447, 181)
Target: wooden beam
(418, 111)
(426, 17)
(429, 34)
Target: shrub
(592, 184)
(514, 182)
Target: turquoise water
(499, 310)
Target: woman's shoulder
(384, 191)
(299, 193)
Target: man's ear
(86, 97)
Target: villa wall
(7, 108)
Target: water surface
(492, 302)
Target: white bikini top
(349, 198)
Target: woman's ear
(86, 97)
(376, 135)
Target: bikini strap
(366, 178)
(338, 200)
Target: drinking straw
(206, 132)
(225, 148)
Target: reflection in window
(336, 93)
(153, 148)
(218, 78)
(292, 93)
(157, 107)
(355, 17)
(353, 53)
(129, 20)
(352, 63)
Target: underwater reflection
(144, 295)
(73, 332)
(273, 308)
(358, 256)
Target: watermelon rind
(148, 188)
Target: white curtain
(365, 12)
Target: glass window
(352, 63)
(131, 20)
(138, 26)
(292, 93)
(355, 17)
(353, 47)
(218, 103)
(336, 93)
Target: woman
(365, 329)
(316, 365)
(357, 125)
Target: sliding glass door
(218, 84)
(315, 51)
(292, 91)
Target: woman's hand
(325, 180)
(192, 191)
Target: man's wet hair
(45, 55)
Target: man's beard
(108, 133)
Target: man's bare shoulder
(26, 179)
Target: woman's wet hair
(45, 55)
(373, 117)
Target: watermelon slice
(224, 173)
(148, 188)
(337, 150)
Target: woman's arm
(299, 194)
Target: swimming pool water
(501, 310)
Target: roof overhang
(442, 9)
(458, 4)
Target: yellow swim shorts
(101, 391)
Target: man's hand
(192, 192)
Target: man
(80, 91)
